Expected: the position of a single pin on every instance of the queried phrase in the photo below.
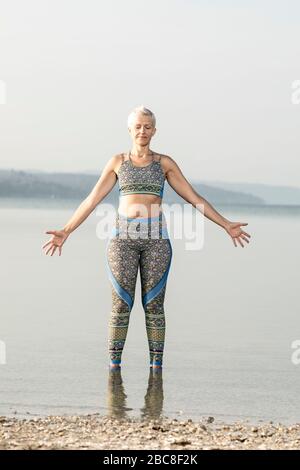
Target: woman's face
(142, 129)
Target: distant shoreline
(70, 202)
(68, 185)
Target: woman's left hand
(233, 229)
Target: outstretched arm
(181, 186)
(103, 186)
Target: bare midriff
(139, 205)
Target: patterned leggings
(134, 243)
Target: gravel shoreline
(104, 432)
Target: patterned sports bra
(134, 179)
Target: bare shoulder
(115, 162)
(168, 163)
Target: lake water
(232, 315)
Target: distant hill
(34, 184)
(271, 194)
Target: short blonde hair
(140, 110)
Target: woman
(140, 237)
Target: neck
(140, 150)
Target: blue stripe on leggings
(156, 363)
(118, 288)
(159, 286)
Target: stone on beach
(106, 432)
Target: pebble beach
(104, 432)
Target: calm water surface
(232, 315)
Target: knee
(158, 310)
(155, 306)
(120, 313)
(155, 318)
(120, 306)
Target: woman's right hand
(57, 241)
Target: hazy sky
(217, 74)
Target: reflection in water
(154, 397)
(116, 397)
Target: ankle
(114, 366)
